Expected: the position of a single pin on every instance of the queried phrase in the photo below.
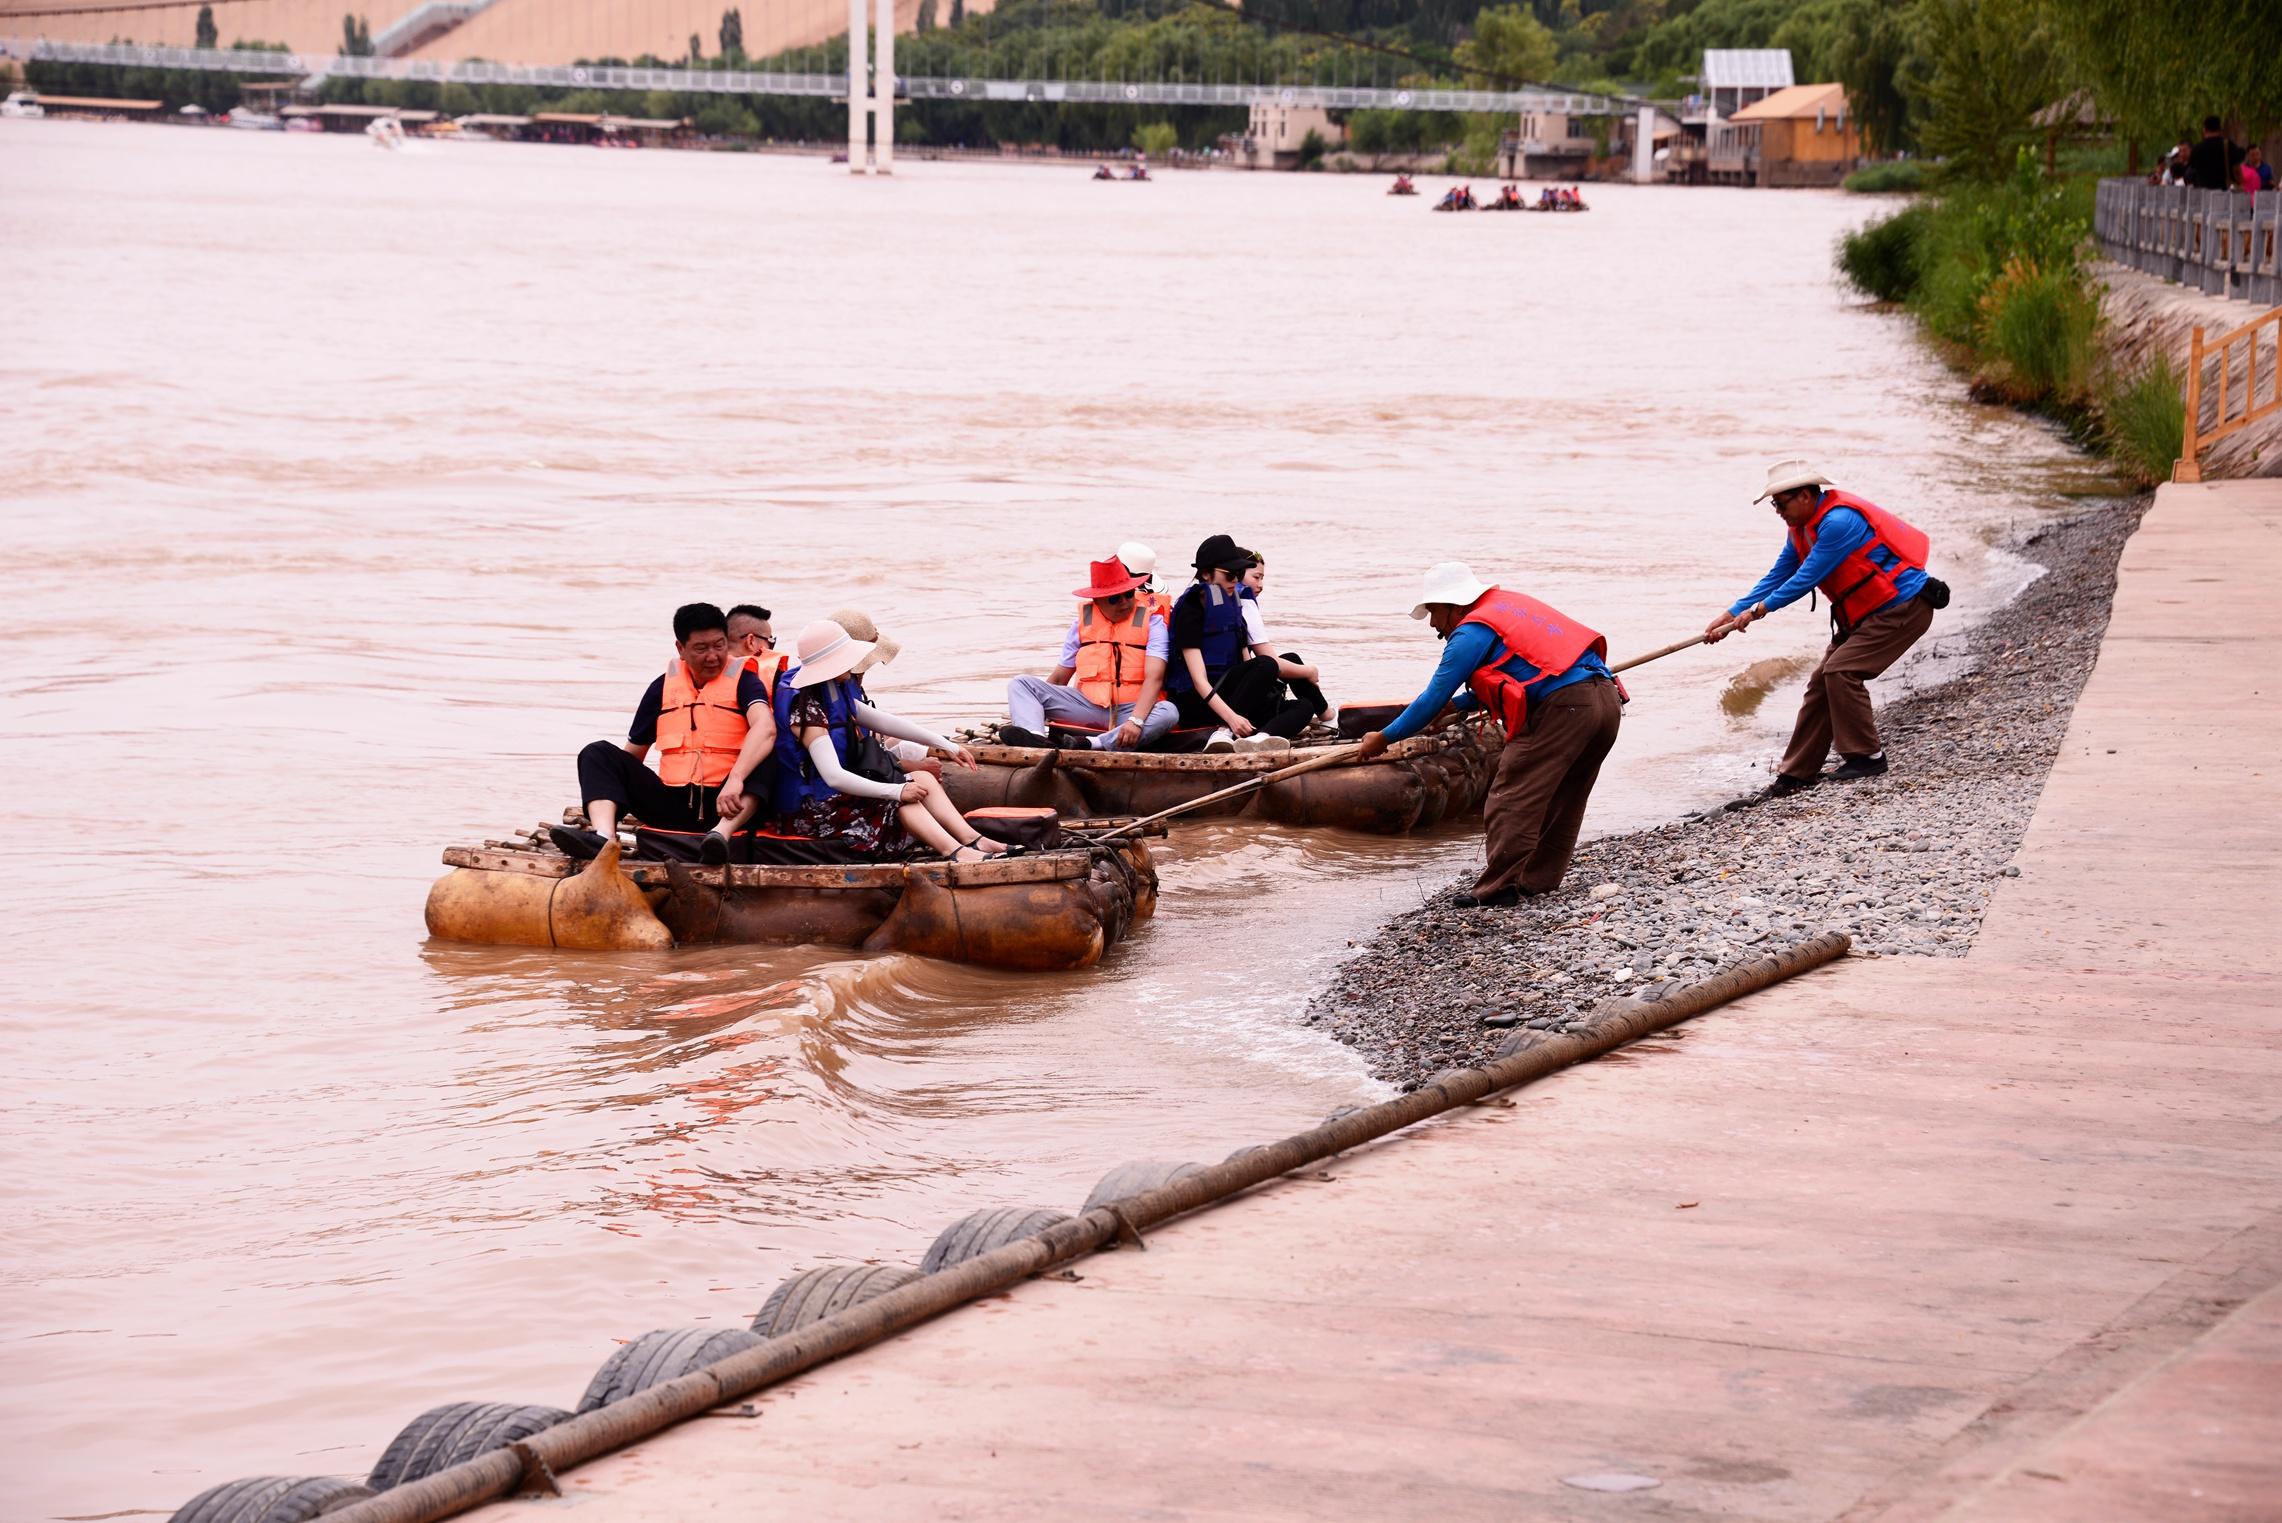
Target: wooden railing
(2196, 437)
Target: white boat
(385, 132)
(254, 121)
(22, 103)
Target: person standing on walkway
(1870, 564)
(1545, 678)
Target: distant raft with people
(1416, 785)
(1057, 907)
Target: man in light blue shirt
(1110, 677)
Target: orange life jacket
(700, 730)
(769, 669)
(1864, 582)
(1112, 658)
(1547, 639)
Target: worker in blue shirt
(1545, 678)
(1870, 564)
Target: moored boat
(1417, 784)
(1049, 910)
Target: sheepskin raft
(1045, 912)
(1417, 784)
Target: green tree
(733, 35)
(1156, 138)
(1510, 45)
(696, 50)
(926, 21)
(1877, 53)
(208, 35)
(2161, 65)
(1991, 68)
(958, 14)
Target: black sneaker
(1503, 899)
(578, 845)
(1015, 735)
(713, 851)
(1852, 769)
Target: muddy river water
(347, 494)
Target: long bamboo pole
(1526, 1057)
(1657, 655)
(1259, 780)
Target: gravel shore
(1904, 863)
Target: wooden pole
(2185, 469)
(1260, 780)
(1657, 655)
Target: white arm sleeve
(828, 768)
(882, 722)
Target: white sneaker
(1220, 740)
(1263, 743)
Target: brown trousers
(1545, 774)
(1837, 704)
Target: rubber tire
(659, 1355)
(814, 1294)
(270, 1499)
(444, 1436)
(978, 1232)
(1133, 1178)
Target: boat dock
(1997, 1237)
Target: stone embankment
(1903, 863)
(2147, 317)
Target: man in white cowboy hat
(1870, 564)
(1111, 674)
(1545, 678)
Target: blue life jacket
(1222, 643)
(797, 781)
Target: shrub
(1892, 178)
(1883, 258)
(1975, 229)
(1312, 148)
(2040, 322)
(2143, 421)
(1156, 139)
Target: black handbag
(869, 757)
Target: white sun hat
(1137, 558)
(827, 651)
(1451, 582)
(1786, 474)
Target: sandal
(980, 854)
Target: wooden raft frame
(1233, 762)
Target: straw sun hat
(859, 626)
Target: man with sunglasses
(1870, 564)
(752, 639)
(1111, 675)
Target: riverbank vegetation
(1994, 259)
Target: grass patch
(2143, 421)
(1882, 259)
(2039, 327)
(1893, 178)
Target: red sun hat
(1109, 579)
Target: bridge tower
(871, 93)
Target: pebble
(1902, 863)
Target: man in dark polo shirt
(2212, 163)
(709, 718)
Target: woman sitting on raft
(821, 793)
(1213, 677)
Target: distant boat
(22, 103)
(254, 121)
